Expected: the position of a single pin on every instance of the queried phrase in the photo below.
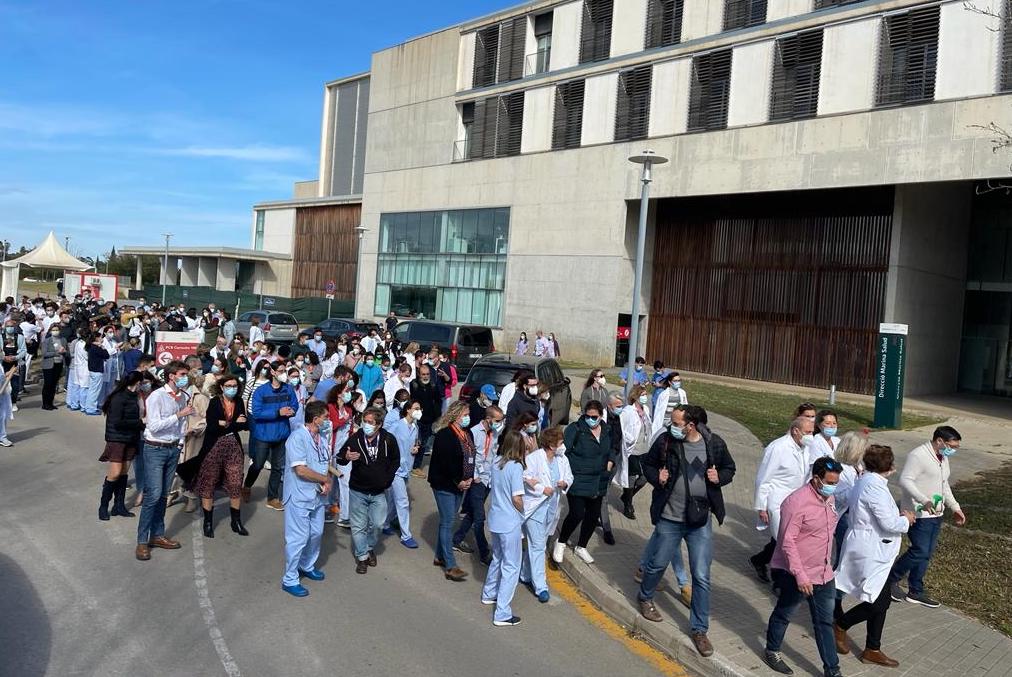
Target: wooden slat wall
(326, 248)
(786, 287)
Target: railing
(462, 150)
(538, 62)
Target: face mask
(600, 380)
(639, 367)
(369, 363)
(498, 426)
(617, 410)
(299, 363)
(325, 427)
(948, 451)
(10, 331)
(215, 369)
(466, 421)
(533, 391)
(806, 439)
(263, 351)
(827, 489)
(182, 382)
(385, 368)
(829, 432)
(545, 397)
(230, 392)
(342, 346)
(677, 432)
(369, 429)
(346, 396)
(145, 387)
(355, 351)
(294, 380)
(531, 429)
(483, 401)
(675, 385)
(425, 379)
(282, 377)
(54, 333)
(49, 313)
(592, 421)
(417, 414)
(360, 407)
(644, 399)
(318, 337)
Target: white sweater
(923, 477)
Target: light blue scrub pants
(399, 506)
(94, 390)
(367, 514)
(532, 568)
(75, 394)
(303, 532)
(504, 572)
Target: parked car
(278, 327)
(499, 368)
(464, 343)
(336, 326)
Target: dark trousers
(874, 614)
(424, 443)
(820, 604)
(49, 379)
(262, 451)
(923, 537)
(583, 511)
(765, 556)
(473, 512)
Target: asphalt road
(74, 601)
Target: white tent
(49, 254)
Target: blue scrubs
(304, 504)
(398, 502)
(532, 570)
(505, 522)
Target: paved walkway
(926, 642)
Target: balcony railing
(462, 150)
(538, 62)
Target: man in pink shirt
(801, 566)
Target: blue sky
(123, 120)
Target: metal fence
(307, 310)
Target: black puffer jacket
(123, 418)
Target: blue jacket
(372, 378)
(267, 424)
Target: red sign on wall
(624, 333)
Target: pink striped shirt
(805, 541)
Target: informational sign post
(329, 289)
(889, 375)
(175, 345)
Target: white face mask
(532, 391)
(282, 377)
(417, 414)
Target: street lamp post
(648, 159)
(361, 231)
(165, 271)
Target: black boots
(107, 491)
(209, 522)
(119, 495)
(237, 526)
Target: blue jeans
(159, 470)
(367, 514)
(820, 604)
(676, 561)
(923, 537)
(474, 517)
(91, 402)
(448, 504)
(700, 545)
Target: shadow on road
(24, 624)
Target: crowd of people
(345, 425)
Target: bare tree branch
(970, 6)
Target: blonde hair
(851, 449)
(634, 394)
(453, 412)
(410, 349)
(512, 448)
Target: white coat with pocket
(784, 469)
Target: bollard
(832, 395)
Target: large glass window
(258, 237)
(444, 265)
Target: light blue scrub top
(503, 517)
(302, 449)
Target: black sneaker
(896, 592)
(776, 662)
(486, 559)
(609, 538)
(832, 672)
(760, 570)
(463, 547)
(923, 600)
(515, 620)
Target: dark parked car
(499, 368)
(336, 326)
(464, 343)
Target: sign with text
(889, 375)
(174, 345)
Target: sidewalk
(925, 641)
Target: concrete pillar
(225, 276)
(207, 271)
(139, 280)
(169, 276)
(188, 271)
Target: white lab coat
(537, 469)
(661, 408)
(820, 447)
(873, 539)
(848, 478)
(79, 368)
(508, 391)
(565, 475)
(632, 426)
(783, 469)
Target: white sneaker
(558, 552)
(4, 442)
(14, 407)
(583, 554)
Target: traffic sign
(330, 288)
(330, 297)
(268, 301)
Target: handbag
(697, 509)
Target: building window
(744, 13)
(541, 60)
(709, 92)
(486, 53)
(467, 122)
(664, 23)
(632, 111)
(595, 38)
(823, 4)
(445, 265)
(567, 127)
(1005, 75)
(797, 65)
(494, 127)
(499, 52)
(908, 56)
(258, 235)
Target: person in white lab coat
(671, 395)
(850, 453)
(505, 522)
(869, 549)
(636, 433)
(561, 472)
(825, 441)
(783, 469)
(77, 381)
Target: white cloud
(259, 153)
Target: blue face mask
(325, 427)
(829, 432)
(182, 382)
(592, 421)
(532, 428)
(346, 397)
(639, 367)
(617, 410)
(676, 432)
(948, 451)
(369, 429)
(230, 393)
(466, 421)
(215, 369)
(827, 489)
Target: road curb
(673, 643)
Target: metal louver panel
(797, 66)
(710, 90)
(744, 13)
(823, 4)
(595, 37)
(482, 140)
(512, 40)
(486, 48)
(509, 123)
(567, 126)
(1005, 75)
(632, 112)
(908, 57)
(664, 23)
